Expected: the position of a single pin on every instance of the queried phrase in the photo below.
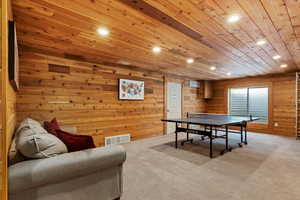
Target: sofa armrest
(34, 173)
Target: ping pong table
(212, 124)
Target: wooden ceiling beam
(160, 16)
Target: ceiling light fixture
(261, 42)
(156, 49)
(190, 60)
(283, 66)
(103, 31)
(228, 73)
(233, 18)
(213, 68)
(276, 57)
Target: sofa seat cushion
(33, 141)
(74, 142)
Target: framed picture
(131, 89)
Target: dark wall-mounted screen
(13, 56)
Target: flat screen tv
(13, 56)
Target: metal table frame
(210, 131)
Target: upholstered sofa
(92, 174)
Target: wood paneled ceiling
(184, 29)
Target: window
(249, 101)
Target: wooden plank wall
(193, 98)
(1, 105)
(8, 98)
(281, 101)
(85, 95)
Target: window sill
(258, 125)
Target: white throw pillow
(30, 127)
(33, 141)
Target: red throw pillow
(51, 126)
(54, 123)
(74, 142)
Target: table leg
(176, 136)
(226, 137)
(210, 142)
(246, 141)
(242, 137)
(227, 148)
(187, 136)
(187, 133)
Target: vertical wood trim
(226, 98)
(4, 63)
(165, 104)
(270, 108)
(182, 98)
(296, 102)
(8, 98)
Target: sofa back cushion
(30, 127)
(33, 141)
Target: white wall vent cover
(194, 84)
(117, 139)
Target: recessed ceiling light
(283, 66)
(213, 68)
(261, 42)
(156, 49)
(276, 57)
(228, 73)
(103, 31)
(190, 60)
(233, 18)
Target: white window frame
(248, 87)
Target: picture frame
(131, 89)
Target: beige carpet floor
(268, 168)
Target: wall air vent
(118, 139)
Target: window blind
(238, 101)
(249, 101)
